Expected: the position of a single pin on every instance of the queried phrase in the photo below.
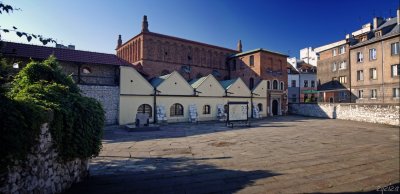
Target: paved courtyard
(289, 154)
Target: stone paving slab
(290, 154)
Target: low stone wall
(108, 96)
(42, 172)
(373, 113)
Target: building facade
(334, 72)
(157, 55)
(375, 63)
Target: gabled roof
(197, 82)
(156, 81)
(257, 50)
(227, 83)
(12, 49)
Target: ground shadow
(165, 175)
(115, 134)
(393, 188)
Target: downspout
(251, 104)
(383, 83)
(155, 106)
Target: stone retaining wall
(41, 172)
(108, 96)
(373, 113)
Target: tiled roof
(43, 52)
(156, 81)
(197, 82)
(389, 28)
(256, 50)
(227, 83)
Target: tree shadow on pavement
(165, 175)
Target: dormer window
(378, 33)
(363, 38)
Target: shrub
(41, 87)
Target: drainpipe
(383, 84)
(155, 105)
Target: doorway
(275, 107)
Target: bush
(77, 122)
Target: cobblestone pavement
(289, 154)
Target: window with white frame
(360, 57)
(343, 79)
(374, 93)
(396, 92)
(305, 83)
(395, 70)
(360, 75)
(373, 74)
(312, 83)
(342, 65)
(334, 52)
(334, 66)
(372, 54)
(360, 93)
(342, 50)
(395, 47)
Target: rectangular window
(372, 54)
(396, 92)
(305, 83)
(342, 65)
(251, 61)
(334, 52)
(395, 47)
(395, 70)
(293, 83)
(360, 93)
(312, 83)
(334, 66)
(373, 93)
(342, 50)
(343, 79)
(360, 57)
(372, 73)
(360, 75)
(234, 65)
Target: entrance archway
(275, 105)
(331, 100)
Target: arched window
(164, 72)
(275, 85)
(268, 85)
(251, 83)
(145, 108)
(176, 110)
(206, 109)
(282, 86)
(86, 70)
(260, 107)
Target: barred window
(176, 110)
(206, 109)
(145, 108)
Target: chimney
(119, 41)
(239, 46)
(145, 24)
(377, 22)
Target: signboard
(237, 111)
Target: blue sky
(284, 26)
